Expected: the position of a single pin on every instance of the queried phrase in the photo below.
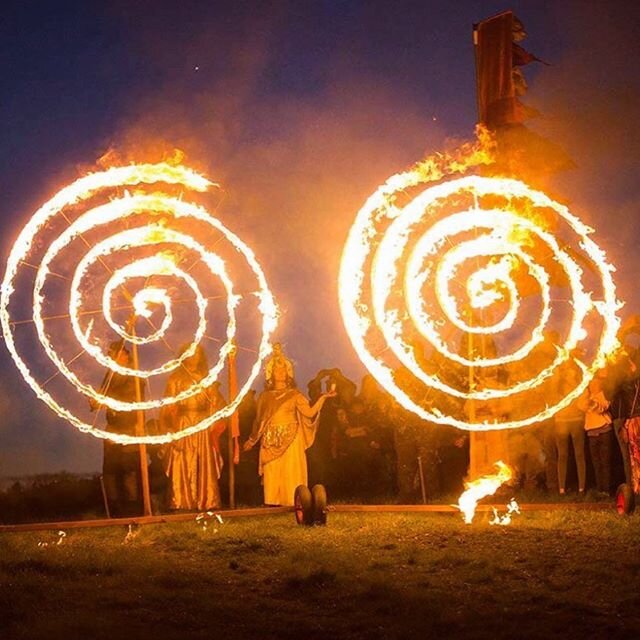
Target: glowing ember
(505, 519)
(132, 533)
(481, 488)
(424, 263)
(61, 536)
(151, 236)
(203, 519)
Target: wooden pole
(234, 427)
(477, 66)
(256, 512)
(422, 485)
(473, 435)
(472, 402)
(144, 463)
(104, 498)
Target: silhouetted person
(120, 463)
(248, 486)
(322, 467)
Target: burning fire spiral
(143, 211)
(477, 302)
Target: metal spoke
(57, 373)
(128, 295)
(67, 315)
(239, 348)
(185, 300)
(51, 273)
(247, 349)
(86, 242)
(379, 353)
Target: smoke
(295, 167)
(590, 101)
(298, 145)
(295, 163)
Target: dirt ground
(549, 575)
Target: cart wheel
(303, 504)
(319, 494)
(625, 500)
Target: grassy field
(549, 575)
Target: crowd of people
(361, 444)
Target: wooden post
(233, 430)
(472, 403)
(422, 484)
(473, 435)
(144, 463)
(475, 57)
(104, 498)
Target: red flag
(520, 56)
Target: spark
(61, 536)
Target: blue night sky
(300, 109)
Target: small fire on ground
(485, 486)
(505, 518)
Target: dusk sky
(300, 109)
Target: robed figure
(286, 426)
(193, 463)
(121, 462)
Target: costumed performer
(193, 463)
(121, 462)
(286, 426)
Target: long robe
(286, 427)
(121, 462)
(193, 463)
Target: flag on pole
(500, 82)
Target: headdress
(278, 360)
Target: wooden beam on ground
(141, 520)
(448, 508)
(269, 511)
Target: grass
(549, 575)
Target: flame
(144, 299)
(61, 536)
(204, 518)
(505, 519)
(160, 207)
(481, 488)
(132, 533)
(395, 252)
